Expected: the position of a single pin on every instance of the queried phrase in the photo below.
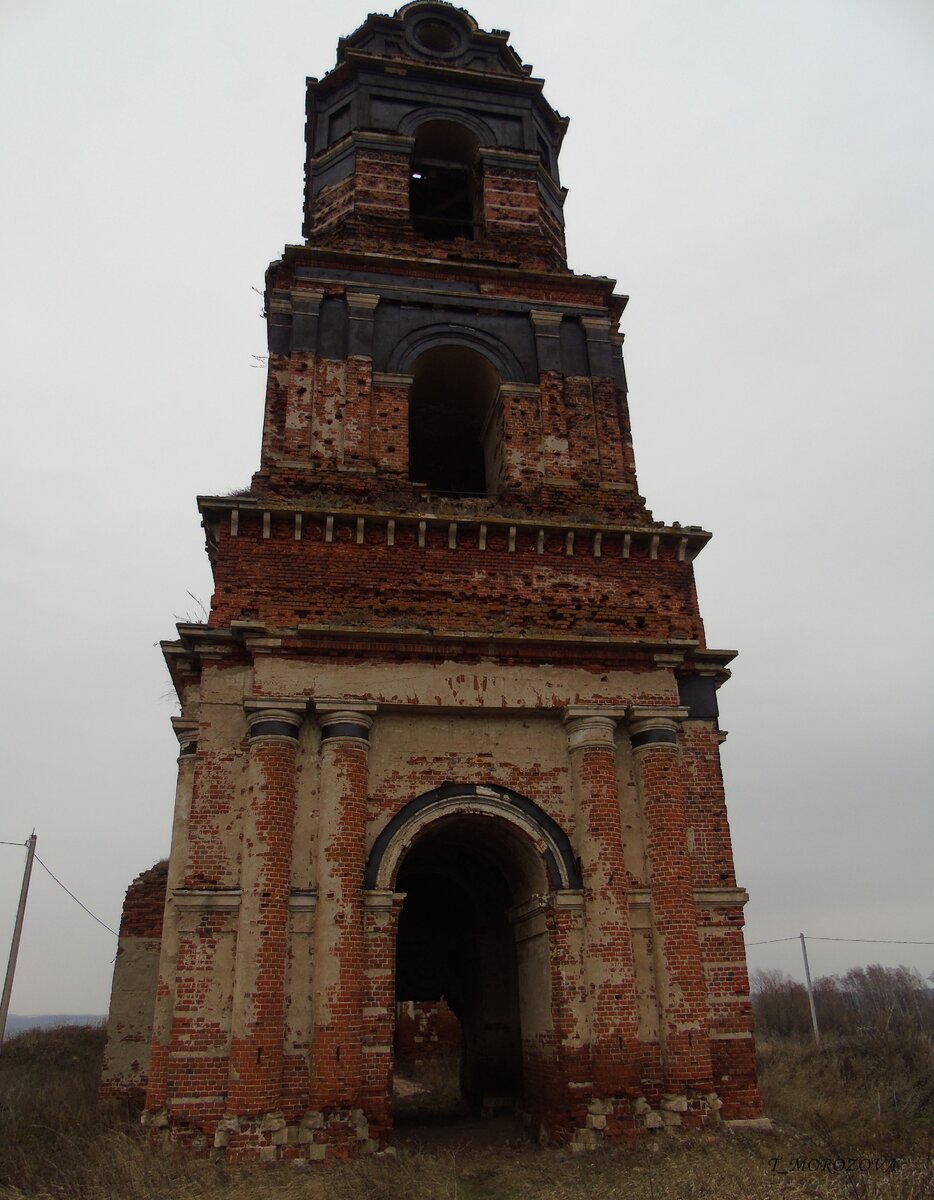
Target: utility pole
(807, 976)
(17, 931)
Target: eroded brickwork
(443, 734)
(127, 1058)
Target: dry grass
(55, 1145)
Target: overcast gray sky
(757, 176)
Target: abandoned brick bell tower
(451, 729)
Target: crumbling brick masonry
(451, 728)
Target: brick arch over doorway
(561, 864)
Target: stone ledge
(207, 900)
(751, 1125)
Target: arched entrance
(476, 865)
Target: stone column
(259, 980)
(338, 947)
(679, 971)
(381, 924)
(187, 733)
(609, 971)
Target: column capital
(380, 900)
(547, 328)
(361, 302)
(275, 717)
(361, 309)
(652, 726)
(590, 726)
(349, 719)
(310, 298)
(597, 326)
(186, 731)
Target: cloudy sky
(757, 176)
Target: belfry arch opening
(466, 879)
(444, 182)
(455, 443)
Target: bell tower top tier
(431, 138)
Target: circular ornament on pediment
(436, 30)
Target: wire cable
(814, 938)
(75, 898)
(875, 941)
(14, 843)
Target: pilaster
(609, 972)
(259, 981)
(336, 1050)
(186, 731)
(381, 923)
(653, 733)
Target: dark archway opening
(455, 442)
(462, 878)
(445, 185)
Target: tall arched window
(454, 437)
(444, 189)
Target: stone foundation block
(751, 1125)
(586, 1139)
(600, 1107)
(226, 1128)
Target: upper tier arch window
(455, 445)
(444, 186)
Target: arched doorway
(476, 866)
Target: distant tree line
(875, 999)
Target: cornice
(598, 539)
(431, 267)
(245, 640)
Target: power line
(813, 938)
(875, 941)
(75, 898)
(767, 942)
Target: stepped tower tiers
(451, 730)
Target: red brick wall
(284, 582)
(426, 1030)
(369, 211)
(144, 906)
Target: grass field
(862, 1102)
